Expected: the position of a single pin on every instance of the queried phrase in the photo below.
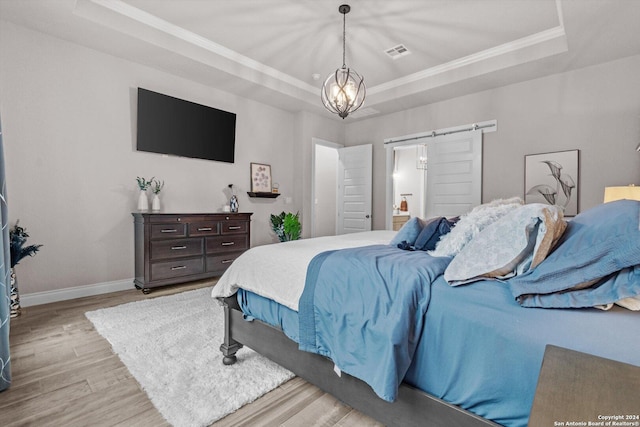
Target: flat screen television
(169, 125)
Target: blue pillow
(431, 232)
(611, 289)
(598, 242)
(409, 232)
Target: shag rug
(171, 346)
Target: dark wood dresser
(175, 248)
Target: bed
(444, 322)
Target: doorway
(341, 187)
(409, 183)
(452, 181)
(324, 187)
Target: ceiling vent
(397, 51)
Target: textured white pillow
(472, 223)
(518, 241)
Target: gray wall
(69, 123)
(69, 116)
(595, 110)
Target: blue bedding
(600, 248)
(364, 308)
(481, 351)
(385, 315)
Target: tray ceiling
(270, 50)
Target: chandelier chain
(344, 38)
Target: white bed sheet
(278, 271)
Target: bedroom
(69, 139)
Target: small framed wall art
(552, 178)
(260, 178)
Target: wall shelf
(263, 195)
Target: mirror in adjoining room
(409, 183)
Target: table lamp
(629, 192)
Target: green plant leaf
(286, 226)
(17, 239)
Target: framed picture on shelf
(552, 178)
(260, 178)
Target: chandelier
(343, 92)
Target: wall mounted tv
(169, 125)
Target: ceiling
(270, 50)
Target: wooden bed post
(229, 347)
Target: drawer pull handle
(234, 227)
(228, 243)
(174, 248)
(179, 267)
(226, 261)
(205, 229)
(169, 230)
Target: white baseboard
(46, 297)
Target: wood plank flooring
(65, 374)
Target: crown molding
(139, 24)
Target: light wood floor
(65, 374)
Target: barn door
(454, 173)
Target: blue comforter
(370, 324)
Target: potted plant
(17, 240)
(286, 226)
(156, 187)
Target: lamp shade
(629, 192)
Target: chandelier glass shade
(343, 91)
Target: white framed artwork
(552, 178)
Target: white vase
(155, 203)
(143, 201)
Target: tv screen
(169, 125)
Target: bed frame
(412, 407)
(571, 385)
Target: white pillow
(518, 241)
(472, 223)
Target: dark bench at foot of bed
(412, 407)
(575, 386)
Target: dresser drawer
(176, 268)
(208, 228)
(168, 231)
(218, 263)
(162, 249)
(171, 219)
(231, 227)
(227, 243)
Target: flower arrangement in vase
(233, 201)
(143, 185)
(156, 187)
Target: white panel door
(354, 188)
(454, 173)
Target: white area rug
(171, 346)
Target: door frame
(416, 139)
